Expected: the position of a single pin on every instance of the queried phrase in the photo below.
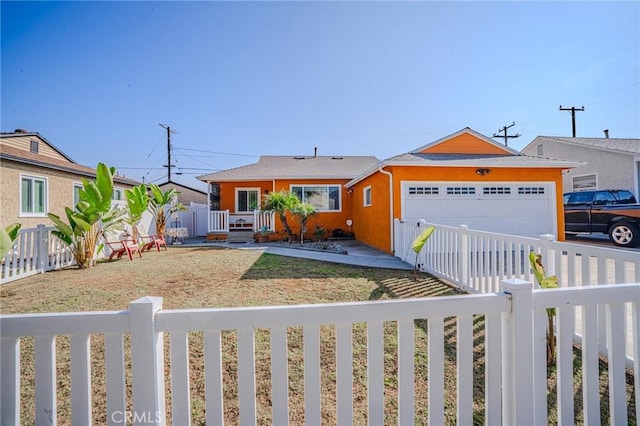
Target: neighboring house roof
(19, 133)
(617, 145)
(295, 167)
(8, 153)
(174, 184)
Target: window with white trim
(322, 197)
(76, 193)
(117, 194)
(461, 190)
(423, 190)
(367, 196)
(247, 199)
(584, 183)
(33, 196)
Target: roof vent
(20, 131)
(337, 158)
(299, 158)
(606, 133)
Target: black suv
(611, 211)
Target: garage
(516, 208)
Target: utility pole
(505, 136)
(573, 116)
(168, 166)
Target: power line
(216, 152)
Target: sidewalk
(358, 254)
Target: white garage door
(517, 208)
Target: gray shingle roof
(631, 146)
(473, 160)
(296, 167)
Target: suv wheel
(624, 235)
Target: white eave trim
(559, 164)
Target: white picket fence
(36, 250)
(476, 261)
(515, 374)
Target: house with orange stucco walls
(464, 178)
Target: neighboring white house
(612, 163)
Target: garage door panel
(517, 208)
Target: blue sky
(236, 80)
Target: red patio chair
(119, 248)
(149, 241)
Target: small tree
(137, 203)
(303, 212)
(158, 201)
(91, 219)
(282, 202)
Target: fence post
(42, 248)
(548, 258)
(463, 256)
(517, 357)
(147, 362)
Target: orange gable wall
(372, 224)
(465, 143)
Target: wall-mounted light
(483, 172)
(350, 191)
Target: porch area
(222, 221)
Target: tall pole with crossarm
(573, 116)
(168, 166)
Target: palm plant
(280, 203)
(92, 218)
(137, 203)
(158, 201)
(303, 212)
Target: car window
(625, 197)
(578, 198)
(604, 198)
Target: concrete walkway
(358, 254)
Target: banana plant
(545, 282)
(158, 201)
(137, 203)
(92, 217)
(8, 236)
(417, 245)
